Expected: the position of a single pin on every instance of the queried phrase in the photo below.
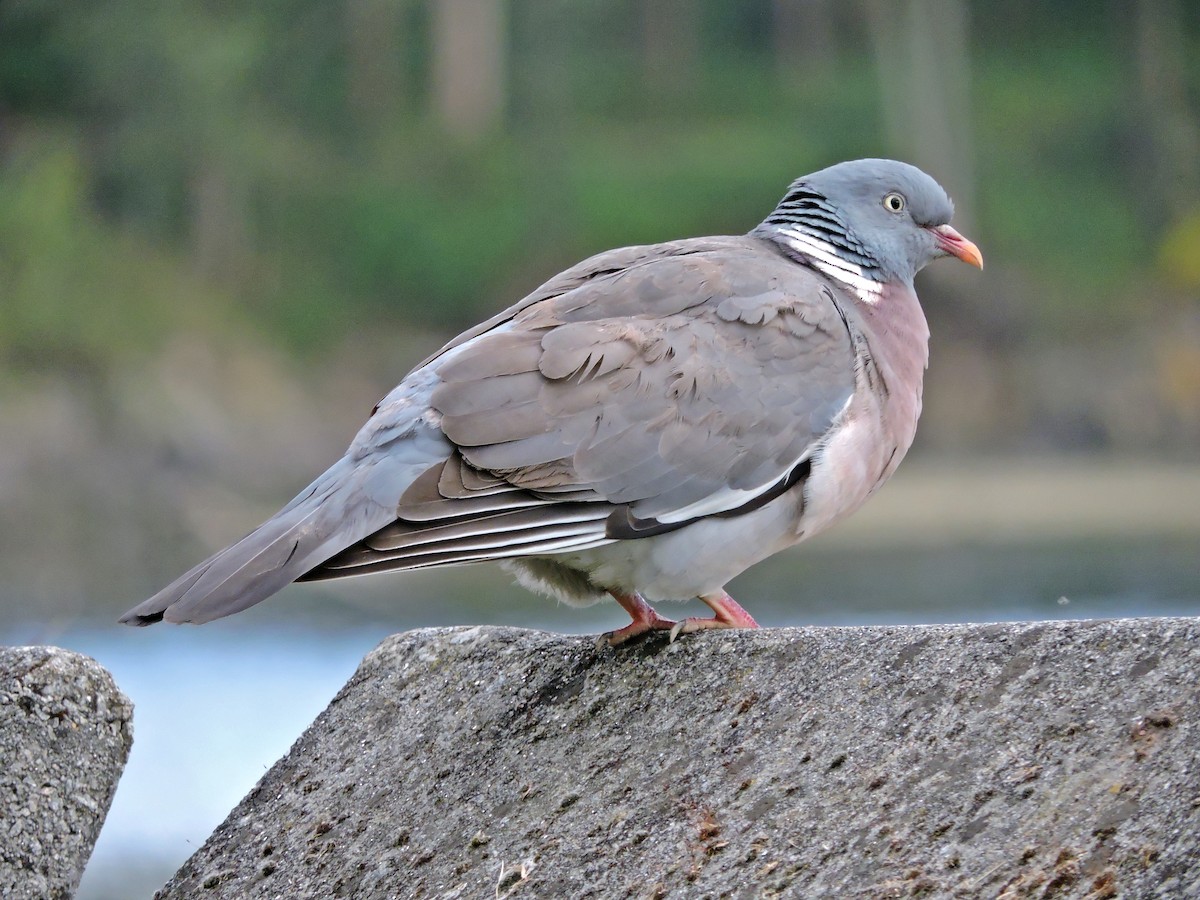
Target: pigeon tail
(326, 517)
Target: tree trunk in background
(541, 80)
(670, 47)
(469, 64)
(220, 245)
(374, 77)
(542, 112)
(803, 38)
(1171, 139)
(922, 56)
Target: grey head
(868, 222)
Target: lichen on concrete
(65, 734)
(1017, 760)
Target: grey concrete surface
(65, 734)
(1018, 760)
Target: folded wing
(690, 380)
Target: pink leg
(644, 619)
(727, 613)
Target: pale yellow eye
(893, 202)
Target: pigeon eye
(893, 202)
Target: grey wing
(681, 386)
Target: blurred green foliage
(1180, 257)
(79, 292)
(194, 165)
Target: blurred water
(216, 706)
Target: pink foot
(644, 619)
(727, 613)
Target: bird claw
(727, 613)
(645, 618)
(634, 629)
(696, 623)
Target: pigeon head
(868, 222)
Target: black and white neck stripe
(806, 223)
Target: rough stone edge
(89, 704)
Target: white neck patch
(825, 258)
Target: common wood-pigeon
(647, 424)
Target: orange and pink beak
(955, 244)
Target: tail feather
(324, 519)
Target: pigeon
(645, 425)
